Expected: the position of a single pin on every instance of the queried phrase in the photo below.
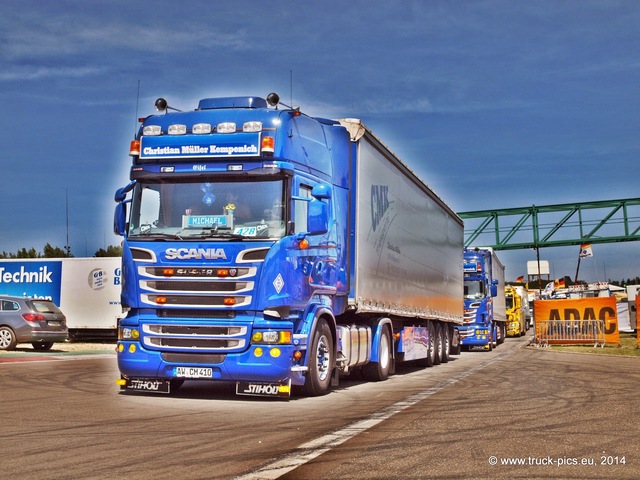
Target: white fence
(569, 332)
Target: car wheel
(42, 346)
(8, 340)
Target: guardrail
(569, 332)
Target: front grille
(194, 330)
(191, 286)
(195, 337)
(189, 313)
(194, 300)
(193, 358)
(208, 343)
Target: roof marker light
(177, 129)
(226, 127)
(268, 144)
(152, 130)
(252, 126)
(134, 148)
(201, 128)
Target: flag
(520, 279)
(585, 250)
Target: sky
(494, 104)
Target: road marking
(313, 449)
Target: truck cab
(516, 312)
(484, 303)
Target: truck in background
(484, 299)
(87, 290)
(517, 305)
(274, 250)
(632, 294)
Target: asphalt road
(534, 413)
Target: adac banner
(597, 308)
(35, 279)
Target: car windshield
(473, 289)
(217, 209)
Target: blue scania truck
(484, 299)
(278, 251)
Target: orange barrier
(578, 310)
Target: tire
(175, 384)
(501, 333)
(379, 371)
(446, 343)
(431, 356)
(8, 340)
(439, 344)
(455, 350)
(42, 346)
(320, 361)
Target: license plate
(193, 372)
(264, 389)
(54, 323)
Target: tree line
(50, 251)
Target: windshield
(219, 209)
(509, 300)
(473, 289)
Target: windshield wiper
(214, 233)
(157, 236)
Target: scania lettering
(290, 251)
(195, 253)
(484, 299)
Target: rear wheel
(439, 344)
(446, 342)
(378, 371)
(430, 361)
(320, 361)
(42, 346)
(8, 340)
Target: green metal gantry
(559, 225)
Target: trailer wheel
(439, 344)
(8, 340)
(458, 349)
(320, 361)
(446, 343)
(42, 346)
(430, 361)
(379, 371)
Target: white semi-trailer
(87, 290)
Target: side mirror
(121, 193)
(318, 217)
(120, 219)
(494, 290)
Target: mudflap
(152, 385)
(258, 389)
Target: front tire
(8, 340)
(320, 361)
(379, 371)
